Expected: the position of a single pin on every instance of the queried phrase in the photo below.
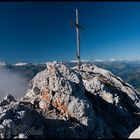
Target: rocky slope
(70, 103)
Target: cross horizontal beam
(77, 25)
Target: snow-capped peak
(112, 59)
(3, 63)
(75, 61)
(20, 64)
(98, 60)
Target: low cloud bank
(12, 83)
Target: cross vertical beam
(78, 39)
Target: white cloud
(12, 83)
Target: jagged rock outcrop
(62, 89)
(70, 103)
(18, 119)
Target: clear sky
(39, 32)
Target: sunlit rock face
(135, 133)
(62, 89)
(71, 103)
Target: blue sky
(39, 32)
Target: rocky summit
(64, 102)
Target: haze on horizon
(41, 31)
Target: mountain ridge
(71, 103)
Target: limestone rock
(7, 100)
(62, 89)
(135, 133)
(64, 102)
